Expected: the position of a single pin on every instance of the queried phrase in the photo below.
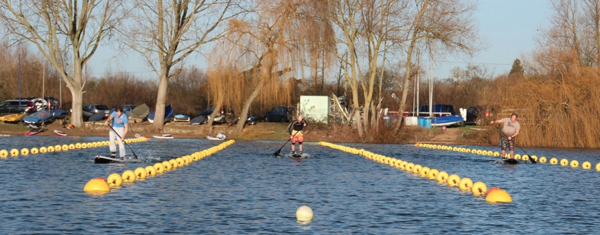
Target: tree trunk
(77, 107)
(216, 109)
(161, 98)
(244, 115)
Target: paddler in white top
(510, 130)
(120, 124)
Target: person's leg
(504, 144)
(111, 143)
(293, 145)
(121, 144)
(300, 140)
(512, 148)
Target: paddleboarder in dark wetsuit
(295, 130)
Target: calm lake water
(244, 189)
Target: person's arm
(516, 133)
(497, 121)
(304, 122)
(108, 119)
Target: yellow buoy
(465, 184)
(168, 165)
(57, 148)
(304, 214)
(424, 172)
(24, 151)
(403, 165)
(496, 154)
(525, 157)
(498, 196)
(65, 147)
(114, 180)
(453, 180)
(433, 173)
(128, 176)
(160, 168)
(3, 153)
(71, 146)
(34, 150)
(179, 162)
(77, 145)
(140, 173)
(479, 189)
(564, 162)
(96, 186)
(442, 177)
(410, 166)
(151, 171)
(553, 161)
(543, 159)
(574, 164)
(174, 164)
(518, 156)
(598, 167)
(50, 149)
(43, 150)
(14, 152)
(586, 165)
(417, 169)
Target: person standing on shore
(120, 124)
(510, 130)
(295, 130)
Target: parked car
(90, 110)
(226, 115)
(12, 106)
(280, 114)
(128, 107)
(480, 115)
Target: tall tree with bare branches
(436, 26)
(66, 32)
(167, 32)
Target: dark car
(280, 114)
(480, 115)
(90, 110)
(128, 107)
(13, 106)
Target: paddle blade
(277, 153)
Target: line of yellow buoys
(65, 147)
(553, 161)
(494, 195)
(115, 180)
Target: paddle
(530, 158)
(279, 151)
(136, 157)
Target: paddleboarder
(510, 130)
(295, 130)
(120, 124)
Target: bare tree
(67, 33)
(167, 32)
(437, 25)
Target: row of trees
(261, 44)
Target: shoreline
(272, 131)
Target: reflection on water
(244, 189)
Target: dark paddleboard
(34, 132)
(510, 161)
(104, 160)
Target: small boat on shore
(163, 137)
(168, 114)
